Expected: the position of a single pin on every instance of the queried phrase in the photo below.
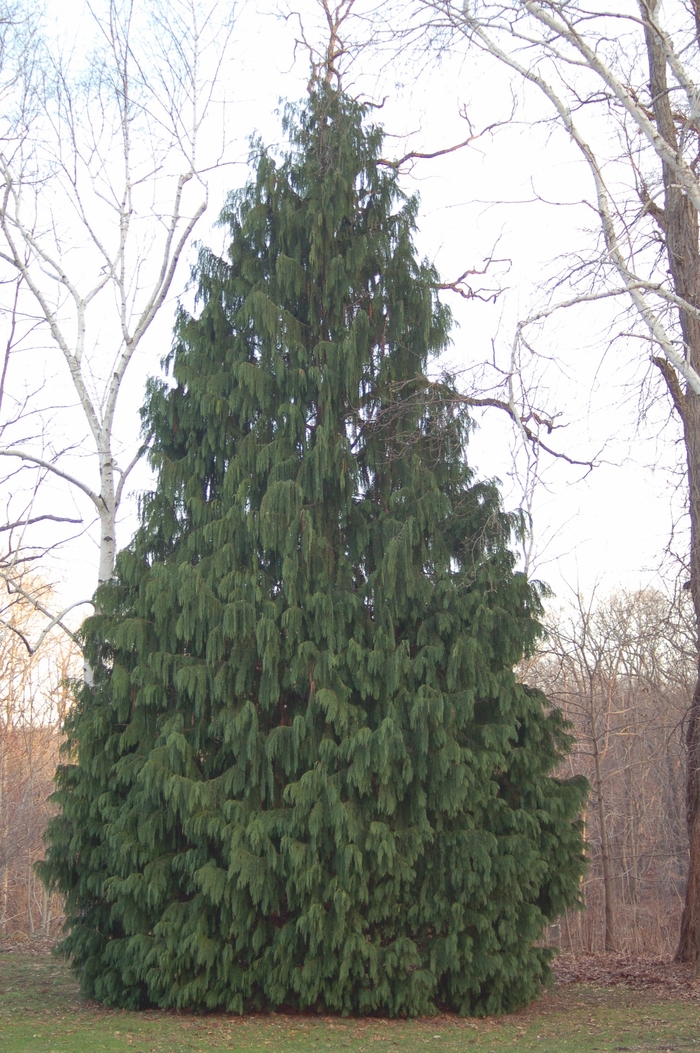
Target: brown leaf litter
(638, 972)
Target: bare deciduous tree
(622, 671)
(624, 84)
(103, 177)
(34, 695)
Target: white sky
(608, 528)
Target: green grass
(41, 1012)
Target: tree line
(35, 698)
(620, 667)
(622, 670)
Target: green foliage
(306, 774)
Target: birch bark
(103, 179)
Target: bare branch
(124, 475)
(416, 155)
(522, 423)
(37, 519)
(39, 462)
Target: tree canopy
(306, 774)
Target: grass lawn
(41, 1012)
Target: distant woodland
(622, 671)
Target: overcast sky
(519, 194)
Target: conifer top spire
(326, 64)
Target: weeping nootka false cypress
(306, 774)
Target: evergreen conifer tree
(305, 774)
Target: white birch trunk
(74, 160)
(108, 511)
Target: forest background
(498, 216)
